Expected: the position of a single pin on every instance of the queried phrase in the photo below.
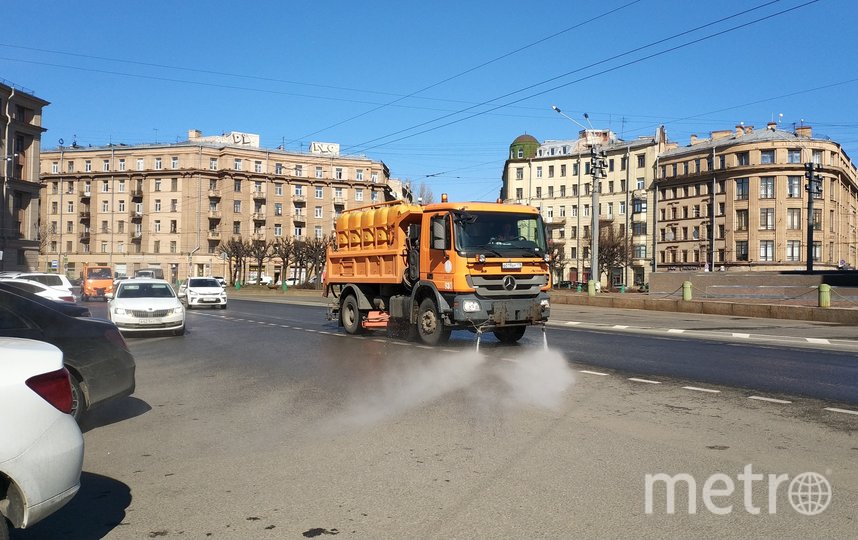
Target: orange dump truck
(426, 270)
(97, 282)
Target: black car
(94, 352)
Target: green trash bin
(622, 287)
(237, 284)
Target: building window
(158, 165)
(236, 207)
(519, 173)
(741, 220)
(767, 157)
(767, 219)
(157, 226)
(278, 209)
(358, 194)
(742, 159)
(767, 187)
(174, 162)
(236, 186)
(741, 189)
(338, 173)
(817, 219)
(359, 175)
(538, 192)
(174, 226)
(157, 205)
(794, 219)
(299, 233)
(794, 187)
(105, 206)
(299, 190)
(319, 192)
(563, 170)
(257, 166)
(742, 250)
(105, 165)
(767, 250)
(174, 205)
(794, 156)
(793, 250)
(550, 191)
(318, 212)
(539, 172)
(121, 206)
(87, 166)
(641, 160)
(55, 167)
(575, 169)
(639, 206)
(212, 164)
(551, 171)
(105, 186)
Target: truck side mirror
(440, 233)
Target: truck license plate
(511, 266)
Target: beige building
(171, 205)
(20, 141)
(555, 176)
(737, 199)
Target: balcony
(606, 217)
(136, 236)
(257, 237)
(85, 214)
(258, 194)
(214, 214)
(558, 241)
(299, 199)
(259, 216)
(214, 193)
(299, 217)
(213, 234)
(137, 193)
(555, 221)
(339, 201)
(84, 236)
(136, 215)
(85, 193)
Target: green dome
(523, 147)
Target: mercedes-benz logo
(509, 283)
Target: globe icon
(809, 493)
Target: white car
(40, 289)
(202, 292)
(146, 305)
(55, 281)
(41, 447)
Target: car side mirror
(109, 295)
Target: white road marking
(741, 335)
(818, 340)
(644, 380)
(675, 331)
(593, 372)
(845, 411)
(698, 389)
(379, 340)
(770, 400)
(572, 323)
(620, 326)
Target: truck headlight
(544, 303)
(470, 306)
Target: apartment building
(555, 176)
(20, 142)
(737, 200)
(171, 205)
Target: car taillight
(116, 338)
(67, 299)
(53, 387)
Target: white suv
(202, 292)
(55, 281)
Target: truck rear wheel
(510, 334)
(430, 325)
(350, 315)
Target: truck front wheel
(430, 325)
(350, 315)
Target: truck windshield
(499, 234)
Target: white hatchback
(146, 306)
(41, 447)
(54, 281)
(202, 292)
(40, 289)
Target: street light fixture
(566, 116)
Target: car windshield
(203, 283)
(500, 234)
(145, 290)
(99, 273)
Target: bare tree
(283, 249)
(317, 250)
(258, 251)
(423, 193)
(235, 251)
(615, 248)
(558, 261)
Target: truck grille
(508, 284)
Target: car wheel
(78, 399)
(510, 334)
(350, 315)
(430, 325)
(179, 332)
(223, 306)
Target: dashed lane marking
(818, 340)
(741, 335)
(588, 372)
(844, 411)
(698, 389)
(769, 399)
(675, 331)
(572, 323)
(621, 326)
(647, 381)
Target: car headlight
(470, 306)
(120, 311)
(544, 303)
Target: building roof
(525, 139)
(746, 137)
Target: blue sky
(437, 90)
